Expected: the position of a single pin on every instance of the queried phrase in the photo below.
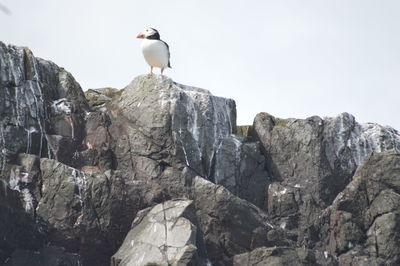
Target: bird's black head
(149, 33)
(154, 34)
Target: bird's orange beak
(140, 36)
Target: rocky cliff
(158, 173)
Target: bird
(155, 51)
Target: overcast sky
(288, 58)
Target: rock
(243, 130)
(359, 257)
(74, 174)
(230, 225)
(98, 142)
(45, 256)
(163, 235)
(24, 178)
(384, 238)
(282, 201)
(98, 98)
(275, 256)
(323, 152)
(239, 167)
(163, 117)
(37, 100)
(312, 160)
(89, 213)
(358, 227)
(18, 229)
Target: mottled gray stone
(364, 217)
(240, 167)
(98, 98)
(46, 256)
(359, 257)
(283, 201)
(37, 99)
(143, 147)
(313, 160)
(18, 228)
(169, 117)
(243, 130)
(163, 235)
(281, 256)
(230, 225)
(89, 212)
(320, 154)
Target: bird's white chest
(155, 53)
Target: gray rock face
(17, 227)
(45, 256)
(364, 218)
(349, 143)
(163, 235)
(98, 98)
(41, 106)
(312, 160)
(239, 167)
(184, 121)
(320, 152)
(57, 200)
(276, 256)
(74, 174)
(231, 225)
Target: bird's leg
(151, 70)
(162, 70)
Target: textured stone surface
(163, 235)
(243, 130)
(364, 218)
(41, 105)
(76, 173)
(240, 167)
(276, 256)
(17, 227)
(311, 161)
(98, 98)
(231, 225)
(179, 120)
(45, 256)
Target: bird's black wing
(169, 54)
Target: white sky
(288, 58)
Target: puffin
(155, 51)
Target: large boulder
(157, 125)
(164, 118)
(165, 234)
